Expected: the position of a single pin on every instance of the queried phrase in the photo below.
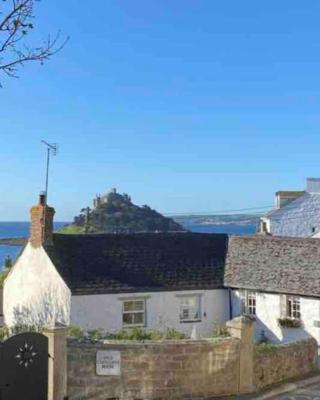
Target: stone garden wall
(284, 362)
(171, 370)
(184, 369)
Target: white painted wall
(268, 312)
(162, 310)
(34, 292)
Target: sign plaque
(108, 362)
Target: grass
(71, 229)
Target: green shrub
(266, 347)
(15, 330)
(221, 331)
(4, 333)
(130, 334)
(3, 276)
(75, 332)
(95, 334)
(140, 334)
(172, 334)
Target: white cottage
(296, 214)
(115, 281)
(276, 280)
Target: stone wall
(284, 362)
(171, 370)
(186, 369)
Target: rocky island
(115, 213)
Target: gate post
(243, 328)
(57, 380)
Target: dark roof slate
(113, 263)
(274, 264)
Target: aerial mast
(52, 148)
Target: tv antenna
(52, 148)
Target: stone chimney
(41, 223)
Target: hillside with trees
(115, 213)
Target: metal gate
(24, 367)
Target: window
(133, 312)
(190, 309)
(249, 300)
(293, 307)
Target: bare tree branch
(16, 17)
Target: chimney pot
(42, 199)
(41, 222)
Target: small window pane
(138, 305)
(138, 318)
(190, 308)
(127, 319)
(128, 306)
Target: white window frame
(249, 303)
(293, 307)
(184, 307)
(143, 311)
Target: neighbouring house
(276, 281)
(296, 214)
(115, 281)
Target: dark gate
(24, 367)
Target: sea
(21, 229)
(16, 230)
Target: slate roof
(114, 263)
(274, 264)
(297, 218)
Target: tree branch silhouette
(16, 23)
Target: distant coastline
(13, 241)
(217, 220)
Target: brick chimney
(41, 222)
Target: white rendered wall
(268, 312)
(162, 310)
(34, 293)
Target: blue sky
(186, 105)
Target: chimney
(41, 223)
(313, 185)
(284, 197)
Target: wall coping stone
(151, 343)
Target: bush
(4, 333)
(75, 332)
(3, 276)
(289, 323)
(95, 334)
(221, 331)
(138, 334)
(266, 347)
